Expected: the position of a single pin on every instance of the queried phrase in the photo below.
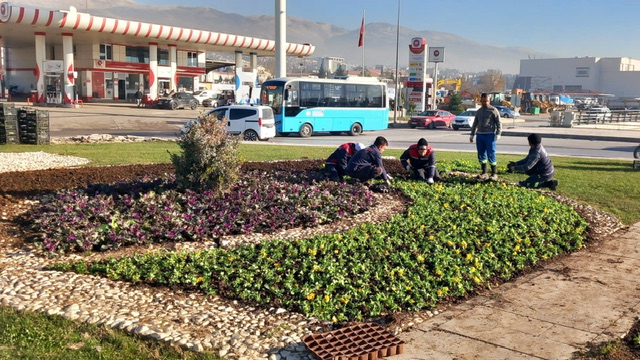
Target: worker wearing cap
(336, 163)
(421, 159)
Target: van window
(267, 113)
(235, 114)
(218, 114)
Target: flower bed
(454, 239)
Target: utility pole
(281, 38)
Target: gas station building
(60, 56)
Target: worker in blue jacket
(336, 164)
(367, 164)
(537, 165)
(421, 159)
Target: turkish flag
(361, 39)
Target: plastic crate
(358, 342)
(7, 109)
(11, 139)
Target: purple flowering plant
(154, 210)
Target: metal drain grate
(358, 342)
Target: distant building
(331, 64)
(619, 76)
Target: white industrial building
(619, 76)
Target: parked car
(431, 119)
(202, 95)
(464, 120)
(215, 102)
(249, 121)
(181, 100)
(505, 112)
(598, 113)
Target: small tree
(455, 103)
(322, 73)
(209, 158)
(340, 71)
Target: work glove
(497, 137)
(408, 167)
(388, 181)
(430, 181)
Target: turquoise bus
(305, 106)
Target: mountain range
(380, 38)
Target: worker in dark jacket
(421, 159)
(336, 165)
(367, 164)
(537, 165)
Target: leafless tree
(492, 80)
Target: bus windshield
(271, 95)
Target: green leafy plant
(209, 158)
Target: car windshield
(469, 113)
(427, 113)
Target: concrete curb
(573, 136)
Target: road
(447, 139)
(126, 119)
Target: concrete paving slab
(519, 333)
(443, 345)
(569, 302)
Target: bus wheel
(305, 130)
(356, 129)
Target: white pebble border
(37, 160)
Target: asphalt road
(126, 119)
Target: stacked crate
(33, 126)
(8, 124)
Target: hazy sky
(604, 28)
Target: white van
(251, 122)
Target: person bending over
(537, 165)
(336, 164)
(367, 164)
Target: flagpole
(363, 22)
(397, 89)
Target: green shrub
(209, 158)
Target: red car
(432, 118)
